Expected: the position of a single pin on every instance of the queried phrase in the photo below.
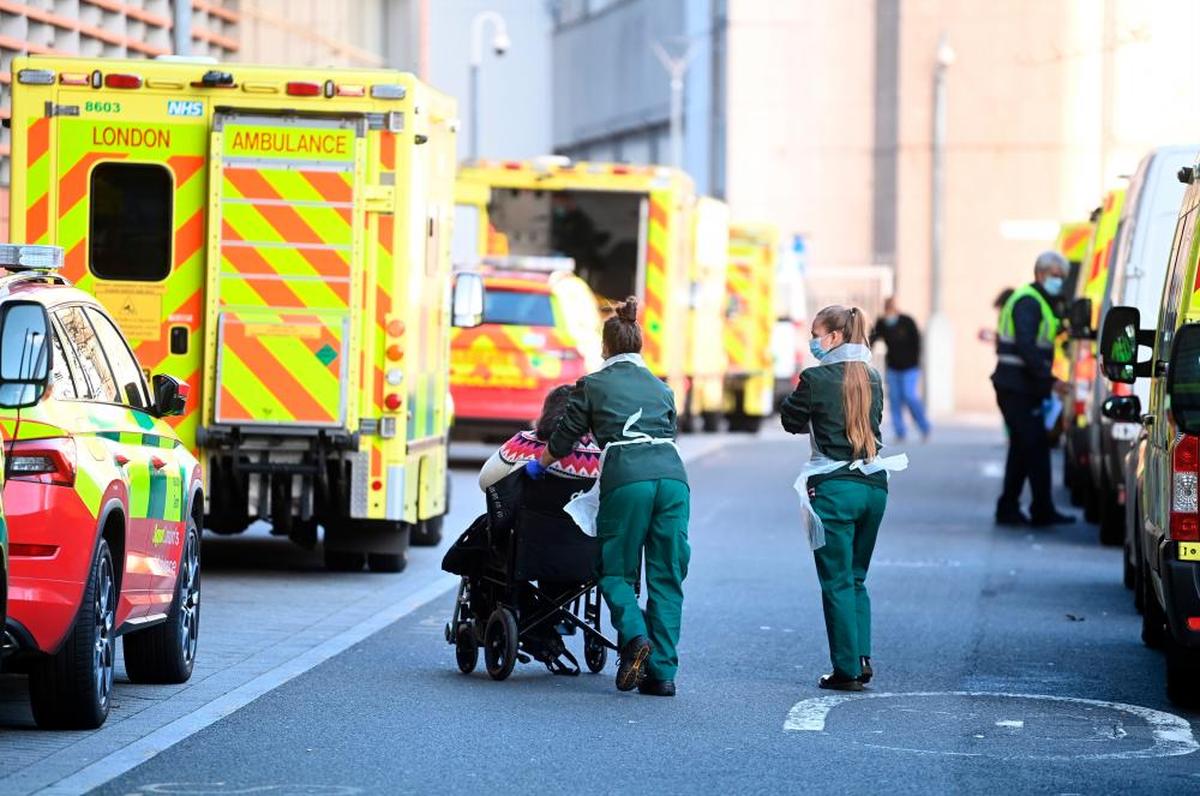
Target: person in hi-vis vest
(1024, 380)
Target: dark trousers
(1028, 453)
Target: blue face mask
(1053, 285)
(814, 345)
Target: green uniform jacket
(602, 402)
(816, 408)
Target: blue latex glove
(535, 470)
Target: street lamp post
(939, 361)
(500, 44)
(677, 70)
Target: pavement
(1006, 661)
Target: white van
(1136, 277)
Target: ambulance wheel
(427, 533)
(745, 424)
(1112, 518)
(595, 654)
(500, 644)
(466, 649)
(344, 560)
(1183, 674)
(1154, 620)
(711, 422)
(387, 562)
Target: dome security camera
(501, 42)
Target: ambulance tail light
(344, 90)
(392, 402)
(122, 81)
(388, 91)
(1185, 471)
(74, 79)
(1120, 388)
(297, 88)
(43, 461)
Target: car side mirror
(170, 395)
(467, 300)
(1122, 408)
(24, 353)
(1119, 341)
(1079, 320)
(1183, 379)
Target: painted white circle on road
(1099, 723)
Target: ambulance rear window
(517, 308)
(130, 229)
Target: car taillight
(1185, 470)
(44, 461)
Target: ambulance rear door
(285, 275)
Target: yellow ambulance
(628, 230)
(706, 308)
(749, 320)
(281, 235)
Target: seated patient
(581, 466)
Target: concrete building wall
(799, 113)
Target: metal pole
(939, 334)
(181, 27)
(936, 201)
(473, 91)
(677, 70)
(677, 119)
(501, 44)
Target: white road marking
(1172, 734)
(1014, 724)
(141, 750)
(992, 469)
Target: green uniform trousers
(652, 515)
(851, 512)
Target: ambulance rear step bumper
(241, 437)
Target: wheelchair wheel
(595, 654)
(466, 649)
(500, 644)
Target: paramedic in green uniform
(644, 500)
(839, 403)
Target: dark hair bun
(627, 311)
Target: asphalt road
(1006, 661)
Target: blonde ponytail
(856, 389)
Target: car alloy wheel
(189, 609)
(104, 647)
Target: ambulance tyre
(745, 424)
(387, 562)
(344, 560)
(1183, 674)
(710, 422)
(166, 653)
(427, 533)
(1112, 517)
(1154, 619)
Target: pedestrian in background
(843, 489)
(903, 365)
(1024, 382)
(644, 500)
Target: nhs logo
(185, 108)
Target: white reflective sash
(584, 506)
(820, 464)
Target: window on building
(130, 230)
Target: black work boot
(653, 687)
(633, 663)
(839, 682)
(867, 671)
